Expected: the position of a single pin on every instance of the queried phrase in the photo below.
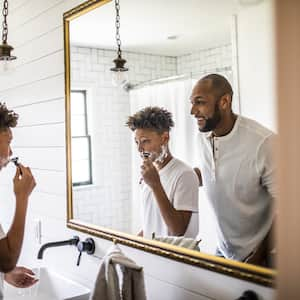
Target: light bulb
(119, 78)
(6, 66)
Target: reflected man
(169, 186)
(237, 171)
(11, 243)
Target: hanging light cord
(119, 61)
(4, 24)
(118, 38)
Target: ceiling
(147, 24)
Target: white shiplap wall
(35, 89)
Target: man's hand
(20, 277)
(23, 184)
(149, 173)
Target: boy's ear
(165, 137)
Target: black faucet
(73, 241)
(87, 246)
(248, 295)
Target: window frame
(87, 136)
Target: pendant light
(119, 72)
(5, 49)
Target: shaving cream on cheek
(163, 154)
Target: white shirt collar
(209, 135)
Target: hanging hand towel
(107, 283)
(106, 286)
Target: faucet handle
(87, 246)
(79, 258)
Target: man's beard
(211, 123)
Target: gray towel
(107, 282)
(180, 241)
(133, 284)
(107, 286)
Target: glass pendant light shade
(119, 78)
(7, 66)
(119, 72)
(6, 58)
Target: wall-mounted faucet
(87, 246)
(74, 241)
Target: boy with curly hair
(24, 183)
(169, 186)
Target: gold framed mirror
(83, 89)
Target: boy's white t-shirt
(181, 185)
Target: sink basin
(51, 286)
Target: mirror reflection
(163, 155)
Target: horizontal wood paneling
(51, 135)
(43, 46)
(53, 64)
(15, 5)
(47, 182)
(42, 24)
(52, 87)
(52, 111)
(156, 288)
(53, 159)
(30, 10)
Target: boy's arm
(10, 246)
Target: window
(81, 140)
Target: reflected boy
(169, 187)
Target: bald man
(237, 171)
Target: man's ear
(225, 102)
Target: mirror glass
(168, 45)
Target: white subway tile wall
(206, 61)
(108, 201)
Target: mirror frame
(248, 272)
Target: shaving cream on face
(157, 157)
(162, 155)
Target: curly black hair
(8, 118)
(154, 118)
